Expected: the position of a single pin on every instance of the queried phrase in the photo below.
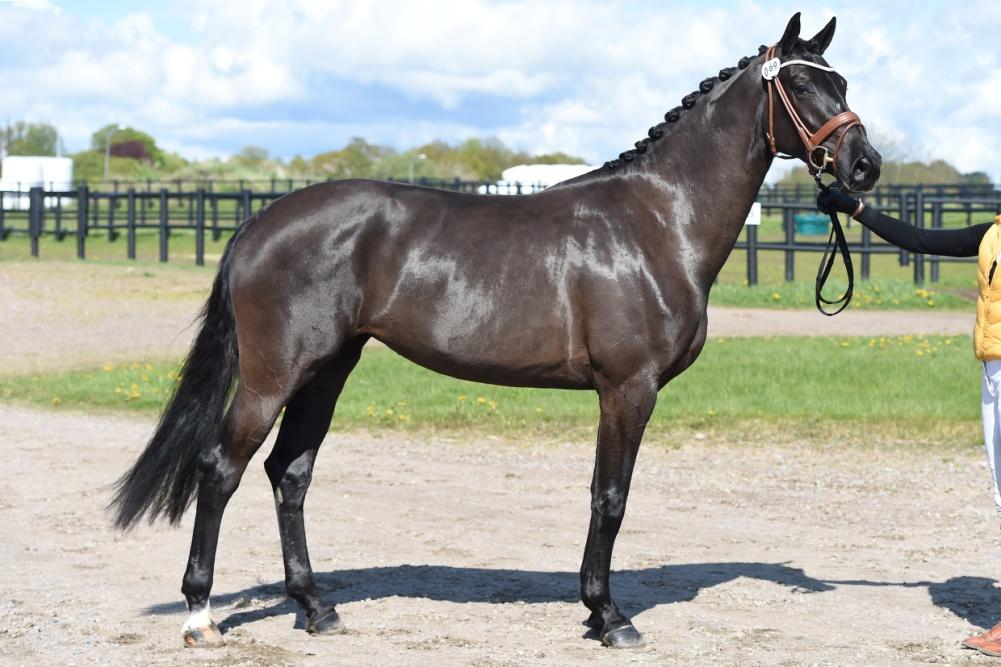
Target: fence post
(790, 228)
(752, 254)
(3, 228)
(112, 204)
(164, 221)
(246, 207)
(919, 222)
(905, 216)
(36, 200)
(936, 223)
(59, 219)
(130, 221)
(216, 232)
(82, 201)
(200, 227)
(866, 251)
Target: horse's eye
(800, 89)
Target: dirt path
(58, 315)
(446, 553)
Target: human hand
(833, 199)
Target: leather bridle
(811, 140)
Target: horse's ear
(822, 39)
(788, 40)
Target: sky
(207, 77)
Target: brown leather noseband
(811, 140)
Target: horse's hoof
(325, 623)
(625, 636)
(204, 637)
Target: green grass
(924, 387)
(181, 248)
(883, 294)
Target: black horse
(598, 283)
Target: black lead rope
(835, 243)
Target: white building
(20, 173)
(529, 178)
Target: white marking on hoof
(198, 620)
(200, 632)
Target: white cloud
(586, 77)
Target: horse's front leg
(625, 410)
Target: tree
(359, 159)
(298, 166)
(120, 136)
(251, 156)
(23, 138)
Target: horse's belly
(513, 360)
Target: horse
(599, 283)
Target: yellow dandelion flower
(481, 400)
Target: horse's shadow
(972, 598)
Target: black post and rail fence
(142, 209)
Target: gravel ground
(445, 553)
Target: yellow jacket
(987, 332)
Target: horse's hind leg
(248, 422)
(290, 469)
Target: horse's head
(808, 116)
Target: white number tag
(770, 69)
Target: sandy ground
(70, 314)
(441, 552)
(465, 553)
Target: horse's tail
(163, 481)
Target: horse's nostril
(861, 169)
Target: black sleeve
(964, 242)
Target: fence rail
(216, 210)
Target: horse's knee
(609, 504)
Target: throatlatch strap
(836, 238)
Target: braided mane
(672, 116)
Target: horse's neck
(709, 172)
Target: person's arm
(963, 242)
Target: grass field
(912, 387)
